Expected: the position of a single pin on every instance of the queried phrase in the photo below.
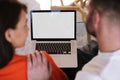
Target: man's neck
(109, 42)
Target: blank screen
(53, 25)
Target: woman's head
(13, 28)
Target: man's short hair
(108, 8)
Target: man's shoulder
(82, 75)
(95, 66)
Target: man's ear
(8, 35)
(96, 19)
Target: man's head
(109, 10)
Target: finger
(34, 59)
(39, 57)
(29, 63)
(43, 51)
(44, 60)
(49, 68)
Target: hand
(38, 67)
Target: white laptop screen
(53, 25)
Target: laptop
(55, 32)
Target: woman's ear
(8, 35)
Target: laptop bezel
(52, 39)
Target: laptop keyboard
(55, 48)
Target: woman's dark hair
(9, 16)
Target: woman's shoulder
(16, 67)
(57, 73)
